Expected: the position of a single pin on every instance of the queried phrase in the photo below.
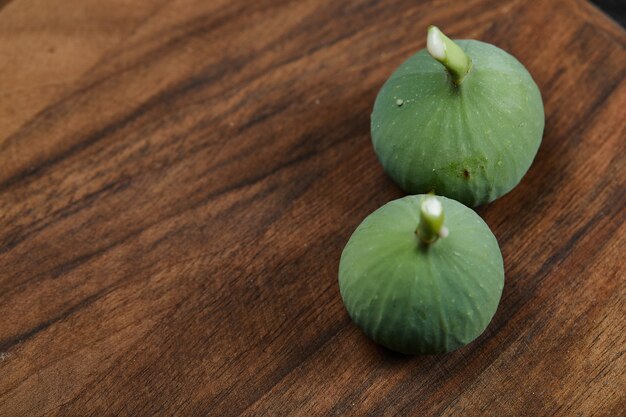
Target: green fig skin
(415, 298)
(472, 142)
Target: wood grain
(178, 179)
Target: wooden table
(178, 179)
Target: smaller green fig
(422, 275)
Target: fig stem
(430, 227)
(449, 54)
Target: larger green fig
(468, 129)
(418, 283)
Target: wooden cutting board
(178, 179)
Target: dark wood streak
(7, 344)
(4, 3)
(160, 100)
(172, 219)
(76, 206)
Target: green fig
(418, 283)
(463, 119)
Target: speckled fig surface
(415, 298)
(472, 142)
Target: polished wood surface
(178, 179)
